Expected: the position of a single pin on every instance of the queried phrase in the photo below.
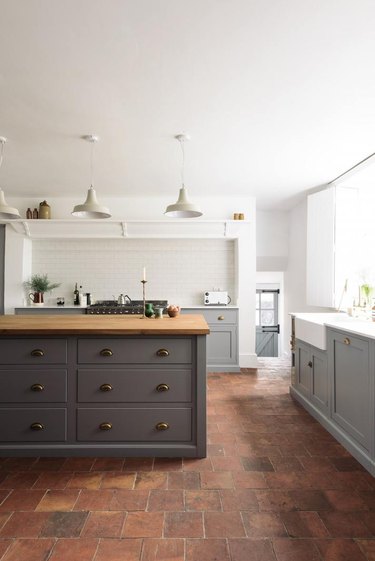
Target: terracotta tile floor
(275, 487)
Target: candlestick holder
(144, 298)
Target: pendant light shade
(91, 207)
(183, 208)
(6, 212)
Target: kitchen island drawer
(135, 351)
(33, 351)
(147, 386)
(32, 425)
(134, 425)
(33, 386)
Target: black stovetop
(113, 307)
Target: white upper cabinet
(331, 239)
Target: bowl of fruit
(173, 311)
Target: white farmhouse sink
(311, 328)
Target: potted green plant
(367, 291)
(39, 284)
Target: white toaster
(219, 298)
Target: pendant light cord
(183, 163)
(92, 165)
(2, 153)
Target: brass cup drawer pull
(162, 426)
(106, 388)
(106, 352)
(347, 341)
(37, 426)
(162, 388)
(37, 352)
(162, 352)
(37, 388)
(105, 426)
(221, 318)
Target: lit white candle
(144, 273)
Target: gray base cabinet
(351, 385)
(105, 396)
(311, 374)
(222, 342)
(338, 388)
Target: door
(266, 320)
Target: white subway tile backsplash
(177, 270)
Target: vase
(37, 298)
(149, 311)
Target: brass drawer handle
(105, 426)
(310, 364)
(162, 388)
(221, 318)
(162, 426)
(37, 426)
(106, 352)
(106, 388)
(37, 388)
(162, 352)
(347, 341)
(37, 352)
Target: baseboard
(249, 360)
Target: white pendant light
(91, 207)
(183, 208)
(6, 212)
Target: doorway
(267, 322)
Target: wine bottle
(76, 296)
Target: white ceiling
(277, 95)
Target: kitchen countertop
(186, 324)
(362, 328)
(342, 321)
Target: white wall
(179, 271)
(295, 275)
(272, 240)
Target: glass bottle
(76, 296)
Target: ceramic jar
(44, 210)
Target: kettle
(123, 299)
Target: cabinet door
(303, 368)
(319, 379)
(351, 386)
(222, 345)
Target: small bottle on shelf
(29, 213)
(76, 296)
(35, 213)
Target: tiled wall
(177, 270)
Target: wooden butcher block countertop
(185, 324)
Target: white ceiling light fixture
(6, 211)
(91, 207)
(183, 208)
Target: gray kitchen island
(103, 386)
